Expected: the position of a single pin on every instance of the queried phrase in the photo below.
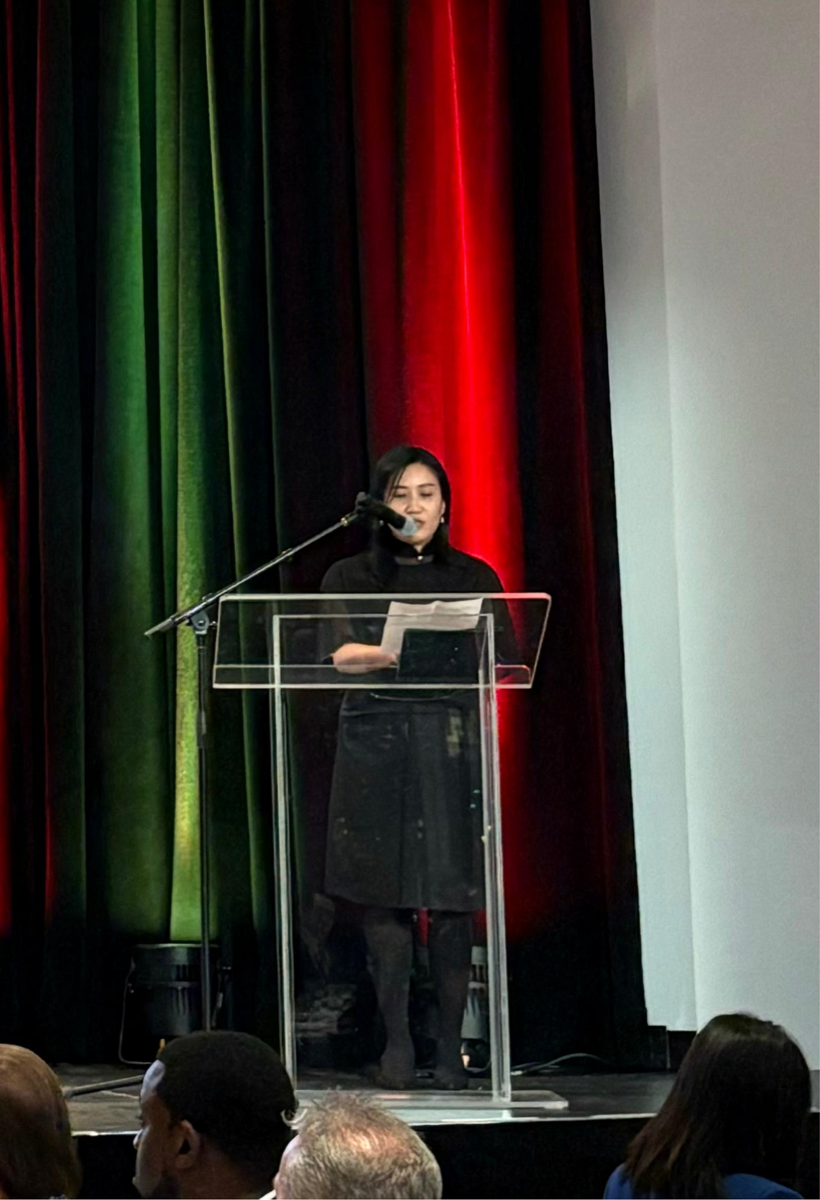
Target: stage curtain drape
(244, 248)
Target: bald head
(348, 1145)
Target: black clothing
(406, 808)
(451, 572)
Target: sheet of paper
(445, 615)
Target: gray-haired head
(348, 1145)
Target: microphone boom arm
(186, 615)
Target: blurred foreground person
(734, 1123)
(37, 1152)
(348, 1147)
(214, 1109)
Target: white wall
(707, 116)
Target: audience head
(739, 1104)
(348, 1145)
(37, 1153)
(214, 1118)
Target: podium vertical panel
(499, 1024)
(387, 832)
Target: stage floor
(525, 1151)
(552, 1097)
(585, 1097)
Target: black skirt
(406, 811)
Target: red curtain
(432, 113)
(436, 253)
(484, 339)
(15, 439)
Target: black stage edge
(513, 1154)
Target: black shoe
(450, 1075)
(397, 1068)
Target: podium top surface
(380, 641)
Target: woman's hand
(356, 658)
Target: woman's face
(416, 493)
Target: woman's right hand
(356, 658)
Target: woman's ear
(189, 1147)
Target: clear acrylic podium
(386, 800)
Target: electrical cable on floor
(555, 1064)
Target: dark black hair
(386, 476)
(739, 1104)
(234, 1090)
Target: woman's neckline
(413, 560)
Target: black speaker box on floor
(163, 998)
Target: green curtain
(183, 456)
(166, 512)
(158, 473)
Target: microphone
(369, 506)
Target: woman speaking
(406, 821)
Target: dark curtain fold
(244, 247)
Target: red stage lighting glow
(437, 254)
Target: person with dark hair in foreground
(37, 1152)
(349, 1146)
(733, 1124)
(214, 1109)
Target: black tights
(390, 942)
(389, 934)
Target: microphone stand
(198, 617)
